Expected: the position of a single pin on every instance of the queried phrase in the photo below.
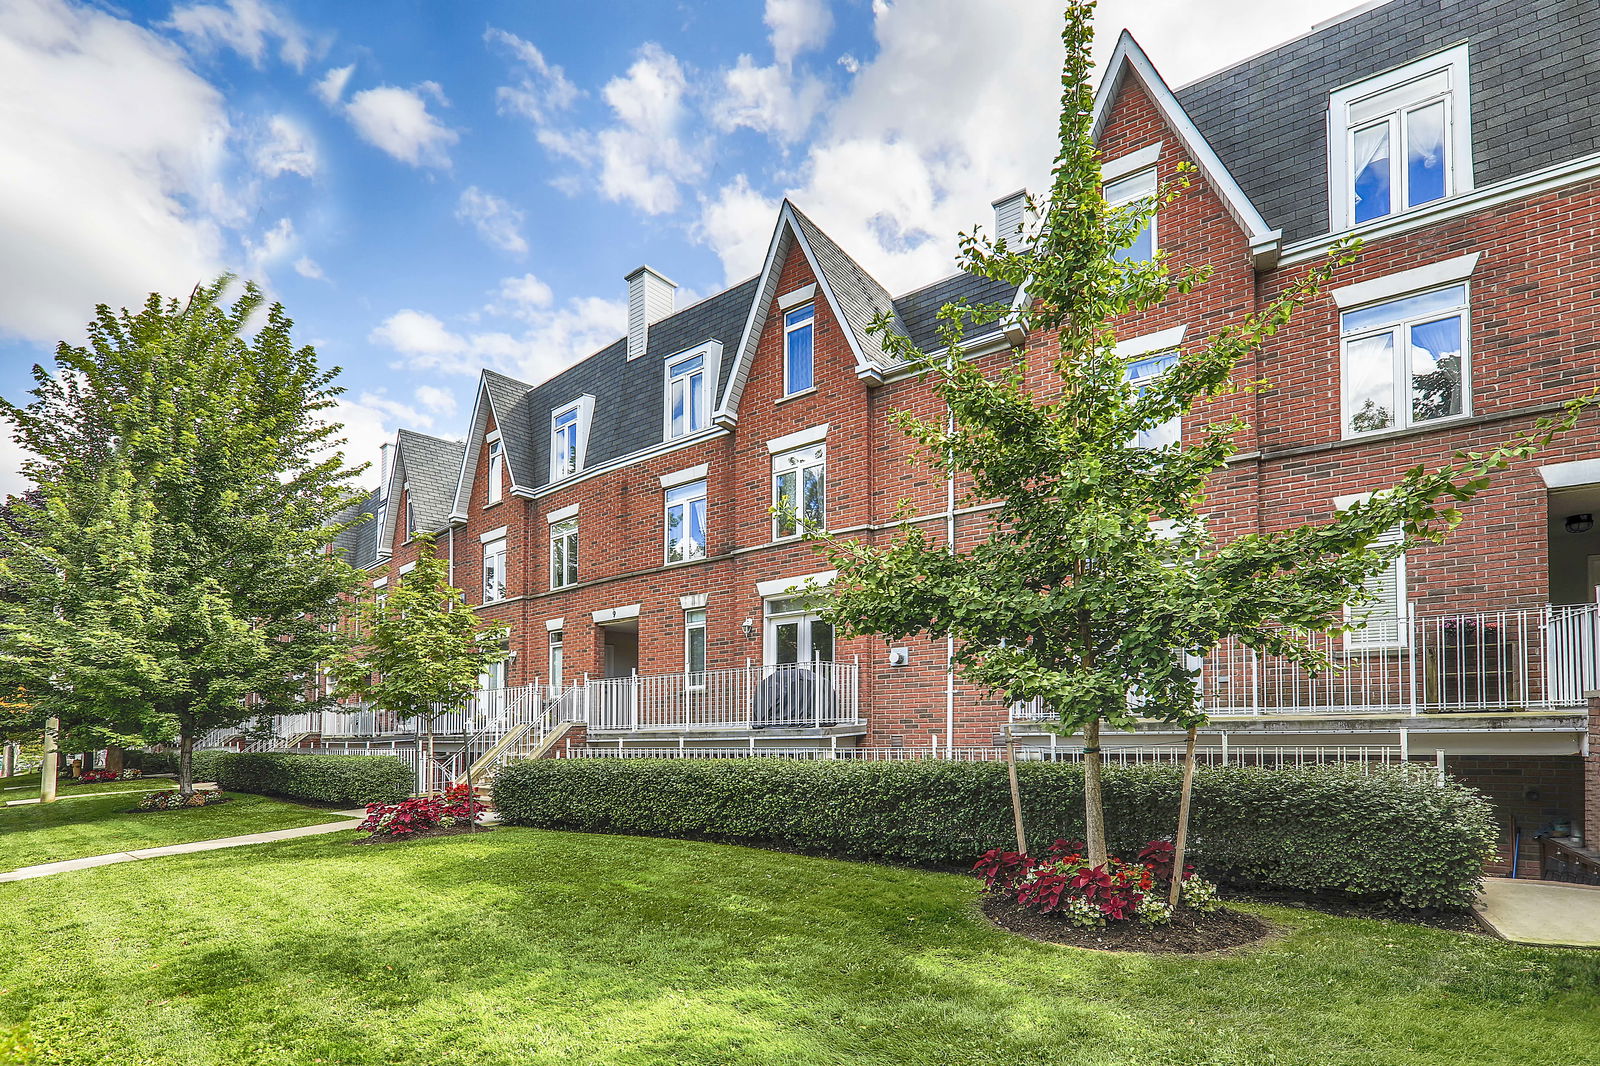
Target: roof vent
(651, 298)
(1010, 215)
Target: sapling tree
(172, 574)
(1099, 583)
(422, 647)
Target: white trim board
(1432, 276)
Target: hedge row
(1383, 835)
(151, 762)
(355, 779)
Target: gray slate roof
(432, 468)
(359, 543)
(1535, 95)
(919, 309)
(857, 296)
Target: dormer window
(686, 395)
(799, 328)
(1131, 190)
(497, 472)
(1401, 140)
(411, 517)
(564, 444)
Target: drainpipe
(950, 642)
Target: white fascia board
(561, 514)
(796, 297)
(616, 614)
(798, 439)
(482, 408)
(683, 477)
(781, 585)
(1130, 163)
(493, 534)
(1151, 342)
(1128, 58)
(553, 624)
(1571, 475)
(727, 411)
(1417, 279)
(1344, 503)
(695, 602)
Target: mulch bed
(1188, 933)
(176, 810)
(453, 831)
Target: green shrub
(1383, 835)
(151, 762)
(358, 779)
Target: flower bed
(423, 816)
(95, 777)
(175, 801)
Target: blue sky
(432, 187)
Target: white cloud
(737, 222)
(496, 220)
(272, 247)
(367, 429)
(797, 26)
(398, 122)
(544, 89)
(247, 27)
(116, 163)
(330, 87)
(12, 482)
(307, 267)
(768, 100)
(439, 401)
(544, 339)
(285, 148)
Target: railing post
(1255, 682)
(1411, 656)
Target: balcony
(814, 696)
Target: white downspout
(950, 641)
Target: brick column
(1591, 778)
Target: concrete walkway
(27, 873)
(1546, 913)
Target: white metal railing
(1528, 659)
(802, 695)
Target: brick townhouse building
(618, 516)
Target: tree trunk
(114, 759)
(185, 763)
(1016, 793)
(1094, 811)
(52, 759)
(1183, 817)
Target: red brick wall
(1532, 791)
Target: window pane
(1371, 169)
(695, 642)
(788, 503)
(786, 643)
(821, 641)
(1426, 303)
(797, 345)
(687, 365)
(695, 545)
(678, 422)
(572, 557)
(1132, 187)
(696, 401)
(1142, 249)
(675, 545)
(814, 496)
(1436, 369)
(1425, 170)
(1369, 382)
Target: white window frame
(556, 658)
(1367, 640)
(1404, 89)
(411, 516)
(792, 608)
(699, 418)
(811, 456)
(1401, 354)
(582, 412)
(694, 621)
(1146, 176)
(494, 550)
(494, 489)
(791, 328)
(564, 532)
(688, 494)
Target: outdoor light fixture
(749, 627)
(1580, 523)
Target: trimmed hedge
(1380, 836)
(358, 779)
(151, 762)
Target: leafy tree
(173, 574)
(1098, 580)
(423, 647)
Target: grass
(531, 947)
(26, 786)
(97, 825)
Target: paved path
(27, 873)
(1541, 912)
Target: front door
(795, 635)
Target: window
(411, 517)
(1400, 140)
(497, 469)
(1383, 619)
(557, 660)
(686, 522)
(798, 491)
(694, 646)
(564, 444)
(795, 634)
(686, 396)
(799, 327)
(1129, 190)
(1405, 361)
(494, 570)
(1143, 373)
(564, 553)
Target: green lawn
(97, 825)
(26, 786)
(523, 946)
